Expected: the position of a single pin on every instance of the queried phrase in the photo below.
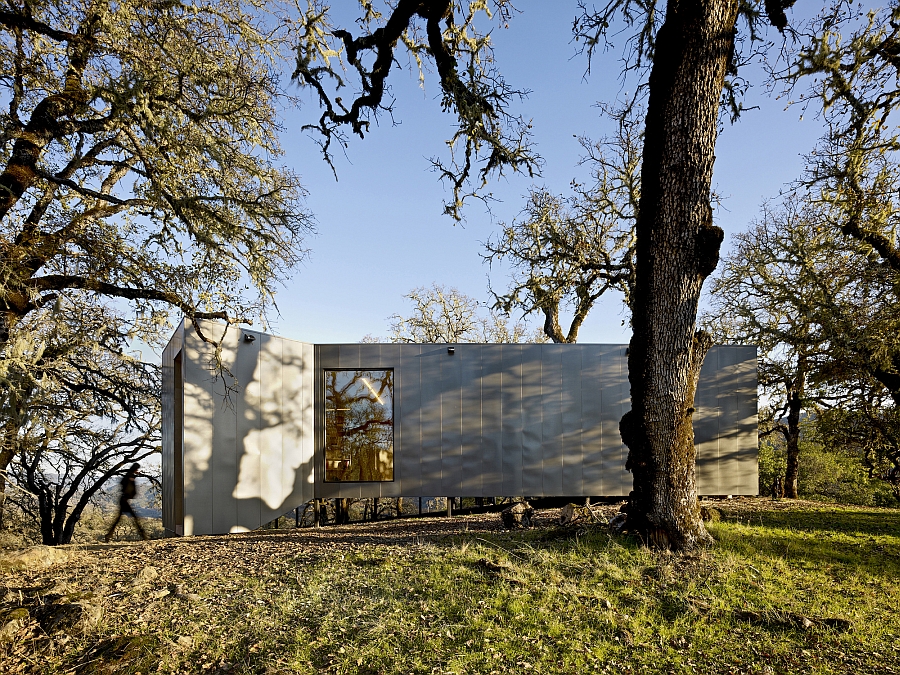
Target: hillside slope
(789, 588)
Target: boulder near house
(284, 422)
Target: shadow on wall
(487, 420)
(248, 438)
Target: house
(264, 424)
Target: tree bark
(792, 473)
(677, 248)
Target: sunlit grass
(809, 591)
(791, 592)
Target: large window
(359, 425)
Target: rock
(11, 621)
(36, 556)
(517, 516)
(617, 524)
(710, 514)
(572, 513)
(91, 616)
(145, 576)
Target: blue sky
(381, 228)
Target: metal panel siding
(551, 419)
(491, 421)
(297, 411)
(430, 418)
(747, 482)
(451, 424)
(737, 374)
(616, 401)
(532, 421)
(472, 452)
(624, 478)
(328, 356)
(271, 429)
(199, 411)
(407, 412)
(572, 458)
(370, 356)
(247, 407)
(596, 416)
(706, 426)
(729, 465)
(511, 418)
(224, 473)
(349, 356)
(309, 439)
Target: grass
(803, 591)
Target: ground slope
(790, 588)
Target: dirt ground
(175, 560)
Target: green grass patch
(809, 591)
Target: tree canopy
(823, 309)
(138, 174)
(570, 250)
(137, 157)
(489, 138)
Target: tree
(443, 314)
(867, 425)
(850, 56)
(853, 173)
(571, 250)
(677, 243)
(771, 291)
(489, 139)
(137, 155)
(824, 311)
(95, 412)
(677, 248)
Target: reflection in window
(359, 425)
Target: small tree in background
(823, 311)
(568, 251)
(766, 293)
(441, 314)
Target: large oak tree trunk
(677, 248)
(792, 472)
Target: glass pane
(359, 425)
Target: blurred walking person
(129, 491)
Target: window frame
(332, 481)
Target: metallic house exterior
(246, 445)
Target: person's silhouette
(129, 490)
